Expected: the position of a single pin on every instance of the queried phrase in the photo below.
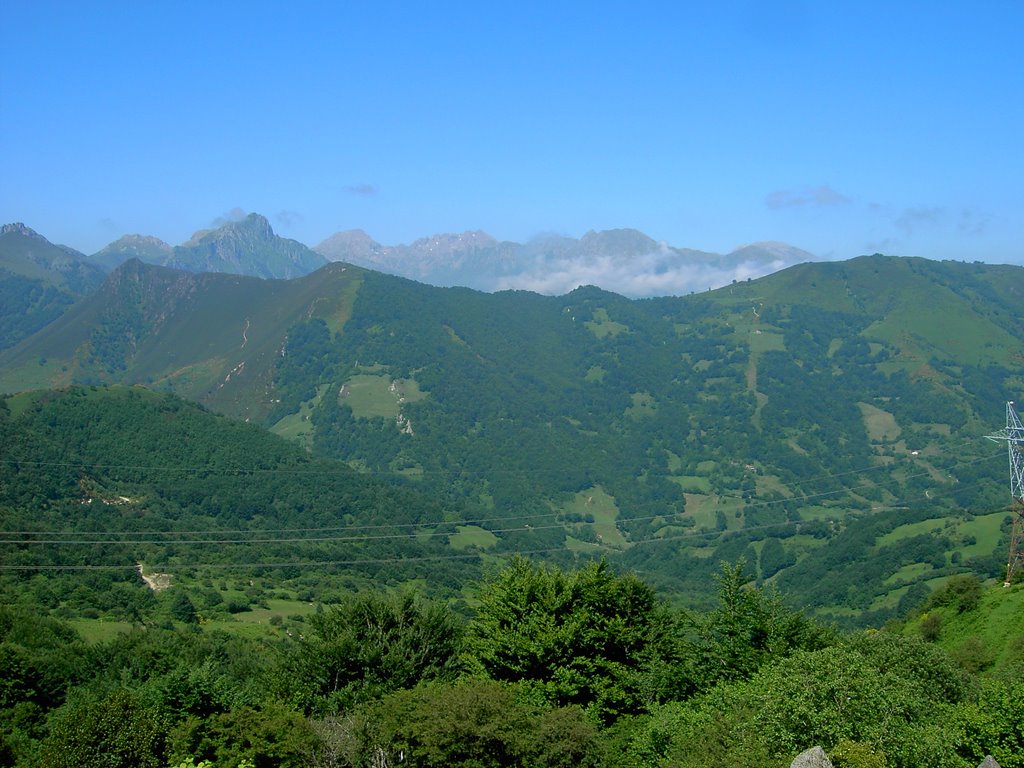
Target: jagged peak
(617, 242)
(18, 228)
(355, 237)
(127, 242)
(253, 223)
(774, 248)
(455, 241)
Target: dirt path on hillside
(155, 581)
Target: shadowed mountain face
(26, 253)
(211, 337)
(624, 260)
(245, 247)
(678, 431)
(38, 281)
(151, 250)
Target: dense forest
(180, 587)
(583, 667)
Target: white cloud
(650, 275)
(805, 196)
(288, 219)
(914, 218)
(361, 190)
(235, 214)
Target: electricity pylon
(1013, 434)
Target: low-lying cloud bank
(643, 276)
(624, 261)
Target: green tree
(583, 637)
(993, 723)
(268, 736)
(894, 697)
(182, 607)
(474, 724)
(748, 627)
(107, 730)
(369, 646)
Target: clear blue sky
(842, 128)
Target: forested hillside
(552, 668)
(824, 423)
(38, 281)
(99, 485)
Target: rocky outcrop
(814, 757)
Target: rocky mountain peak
(17, 228)
(139, 242)
(617, 242)
(254, 226)
(447, 243)
(348, 245)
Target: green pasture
(762, 339)
(909, 573)
(578, 546)
(881, 425)
(603, 326)
(99, 630)
(472, 536)
(986, 531)
(643, 405)
(692, 483)
(996, 625)
(298, 426)
(371, 395)
(889, 599)
(47, 373)
(595, 501)
(931, 525)
(275, 607)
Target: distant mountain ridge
(245, 247)
(151, 250)
(38, 281)
(23, 251)
(624, 260)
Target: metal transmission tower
(1014, 437)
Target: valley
(251, 459)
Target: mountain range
(549, 263)
(39, 280)
(244, 247)
(626, 259)
(822, 423)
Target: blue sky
(841, 128)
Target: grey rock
(814, 757)
(988, 762)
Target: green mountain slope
(823, 423)
(109, 478)
(38, 281)
(213, 338)
(980, 625)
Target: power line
(653, 539)
(412, 527)
(344, 471)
